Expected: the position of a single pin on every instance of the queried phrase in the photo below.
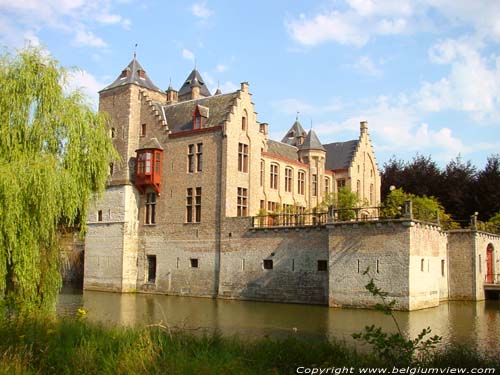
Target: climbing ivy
(54, 157)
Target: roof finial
(311, 124)
(195, 63)
(135, 51)
(297, 117)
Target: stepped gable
(282, 150)
(293, 133)
(194, 79)
(179, 116)
(311, 142)
(339, 155)
(133, 73)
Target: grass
(78, 347)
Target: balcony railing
(289, 220)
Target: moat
(477, 323)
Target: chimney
(172, 95)
(363, 127)
(195, 92)
(264, 128)
(244, 86)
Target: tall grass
(78, 347)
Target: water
(475, 323)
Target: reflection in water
(477, 323)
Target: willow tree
(54, 157)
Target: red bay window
(148, 166)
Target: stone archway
(490, 276)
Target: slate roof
(152, 144)
(133, 69)
(311, 142)
(339, 155)
(194, 79)
(295, 131)
(179, 116)
(282, 149)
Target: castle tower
(295, 135)
(112, 236)
(172, 95)
(194, 87)
(312, 152)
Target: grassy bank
(78, 347)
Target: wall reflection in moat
(475, 323)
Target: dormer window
(124, 74)
(141, 74)
(200, 116)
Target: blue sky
(425, 74)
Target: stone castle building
(178, 214)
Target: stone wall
(72, 254)
(294, 252)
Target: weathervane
(135, 51)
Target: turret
(194, 87)
(172, 95)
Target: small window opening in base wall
(293, 264)
(442, 267)
(151, 268)
(378, 266)
(422, 265)
(358, 265)
(99, 215)
(194, 262)
(322, 265)
(243, 264)
(268, 264)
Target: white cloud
(366, 66)
(200, 10)
(87, 83)
(187, 54)
(472, 85)
(221, 68)
(87, 38)
(74, 17)
(229, 86)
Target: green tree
(54, 155)
(344, 201)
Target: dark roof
(152, 144)
(339, 155)
(311, 142)
(295, 131)
(194, 79)
(282, 149)
(179, 116)
(132, 76)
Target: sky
(425, 74)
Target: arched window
(288, 180)
(301, 182)
(244, 121)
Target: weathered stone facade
(191, 232)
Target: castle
(203, 203)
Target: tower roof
(194, 79)
(133, 73)
(295, 132)
(311, 142)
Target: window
(262, 204)
(442, 267)
(288, 180)
(193, 262)
(151, 268)
(150, 208)
(197, 122)
(262, 167)
(99, 215)
(301, 183)
(190, 158)
(359, 265)
(480, 268)
(272, 206)
(143, 130)
(157, 162)
(340, 184)
(273, 177)
(242, 157)
(197, 203)
(124, 74)
(199, 157)
(314, 185)
(242, 203)
(243, 123)
(322, 265)
(144, 163)
(327, 186)
(189, 205)
(111, 169)
(422, 265)
(377, 269)
(268, 264)
(113, 132)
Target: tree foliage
(460, 187)
(54, 155)
(343, 201)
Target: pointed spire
(312, 142)
(170, 84)
(194, 79)
(294, 133)
(133, 73)
(135, 51)
(218, 91)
